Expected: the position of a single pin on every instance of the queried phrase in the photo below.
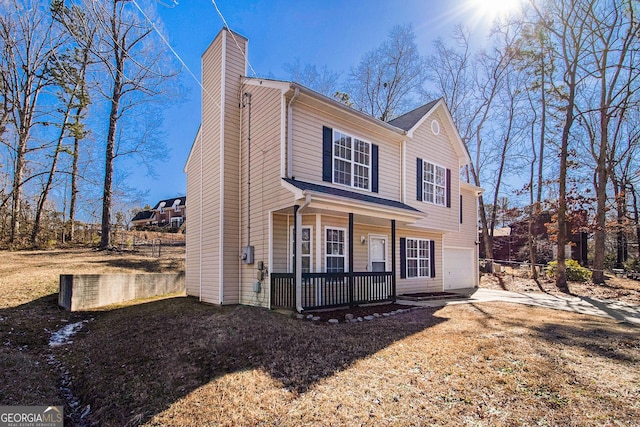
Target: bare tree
(26, 43)
(470, 85)
(388, 77)
(321, 80)
(136, 70)
(610, 62)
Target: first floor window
(418, 258)
(307, 248)
(335, 253)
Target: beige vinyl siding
(437, 149)
(210, 131)
(192, 261)
(281, 225)
(468, 230)
(267, 193)
(422, 284)
(307, 148)
(235, 69)
(468, 234)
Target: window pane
(341, 172)
(441, 176)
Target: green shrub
(575, 272)
(632, 264)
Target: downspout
(290, 134)
(248, 97)
(298, 251)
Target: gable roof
(412, 120)
(408, 120)
(169, 202)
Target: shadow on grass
(616, 345)
(134, 362)
(151, 265)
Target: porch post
(350, 259)
(393, 259)
(297, 272)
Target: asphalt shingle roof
(349, 194)
(409, 120)
(169, 202)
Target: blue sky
(329, 32)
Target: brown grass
(178, 362)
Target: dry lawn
(177, 362)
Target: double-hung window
(434, 184)
(335, 250)
(418, 255)
(351, 161)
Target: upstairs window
(351, 161)
(433, 183)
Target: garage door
(459, 268)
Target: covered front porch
(333, 251)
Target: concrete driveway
(618, 311)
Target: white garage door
(459, 268)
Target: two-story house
(166, 214)
(300, 201)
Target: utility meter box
(247, 254)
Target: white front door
(378, 253)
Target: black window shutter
(374, 168)
(419, 180)
(432, 258)
(448, 188)
(327, 154)
(403, 258)
(461, 209)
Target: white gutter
(298, 227)
(290, 134)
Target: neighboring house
(143, 219)
(511, 243)
(171, 213)
(299, 201)
(166, 214)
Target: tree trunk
(52, 171)
(105, 240)
(74, 184)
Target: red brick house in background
(510, 243)
(166, 214)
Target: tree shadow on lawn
(597, 339)
(136, 361)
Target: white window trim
(346, 247)
(424, 183)
(353, 162)
(291, 247)
(407, 258)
